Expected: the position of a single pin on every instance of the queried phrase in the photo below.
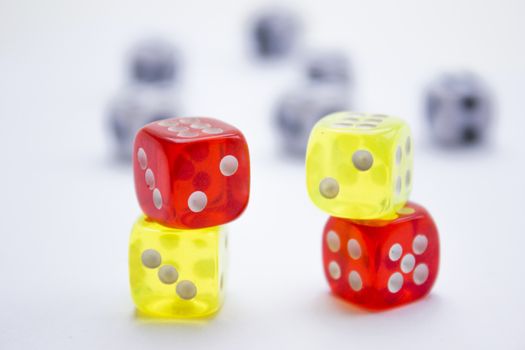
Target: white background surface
(67, 210)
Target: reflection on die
(191, 172)
(459, 109)
(275, 32)
(177, 273)
(382, 264)
(150, 94)
(359, 166)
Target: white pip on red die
(382, 264)
(191, 172)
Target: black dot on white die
(469, 103)
(470, 135)
(153, 61)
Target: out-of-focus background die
(275, 32)
(151, 93)
(330, 67)
(326, 87)
(459, 109)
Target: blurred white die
(275, 32)
(298, 112)
(459, 109)
(328, 89)
(150, 94)
(154, 61)
(331, 67)
(136, 107)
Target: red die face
(378, 264)
(191, 172)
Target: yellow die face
(359, 166)
(176, 273)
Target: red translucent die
(191, 172)
(382, 264)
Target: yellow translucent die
(176, 273)
(359, 166)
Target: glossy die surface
(191, 172)
(378, 265)
(359, 166)
(176, 273)
(459, 109)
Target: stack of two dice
(379, 250)
(192, 175)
